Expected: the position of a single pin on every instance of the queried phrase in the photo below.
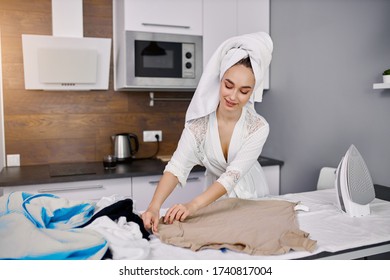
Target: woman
(222, 132)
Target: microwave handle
(166, 25)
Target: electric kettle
(125, 145)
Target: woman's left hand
(178, 212)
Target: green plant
(386, 72)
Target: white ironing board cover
(333, 230)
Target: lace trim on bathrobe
(199, 128)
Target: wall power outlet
(150, 135)
(13, 160)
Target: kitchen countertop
(72, 172)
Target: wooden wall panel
(74, 126)
(59, 102)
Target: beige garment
(255, 227)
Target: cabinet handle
(189, 179)
(192, 179)
(166, 25)
(154, 182)
(65, 189)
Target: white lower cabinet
(139, 189)
(144, 187)
(80, 190)
(143, 190)
(272, 175)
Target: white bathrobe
(241, 175)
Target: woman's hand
(150, 219)
(179, 212)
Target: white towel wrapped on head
(258, 46)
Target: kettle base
(125, 160)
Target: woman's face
(236, 87)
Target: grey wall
(327, 55)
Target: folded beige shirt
(255, 227)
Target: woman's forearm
(215, 191)
(164, 188)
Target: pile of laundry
(45, 226)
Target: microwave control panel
(188, 59)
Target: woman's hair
(245, 61)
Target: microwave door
(158, 59)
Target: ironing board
(338, 235)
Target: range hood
(66, 60)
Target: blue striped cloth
(43, 226)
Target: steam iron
(354, 186)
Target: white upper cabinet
(223, 19)
(219, 24)
(253, 16)
(215, 20)
(168, 16)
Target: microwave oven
(162, 61)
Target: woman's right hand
(150, 219)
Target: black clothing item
(118, 209)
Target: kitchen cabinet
(223, 19)
(215, 20)
(151, 20)
(144, 186)
(79, 190)
(168, 16)
(272, 175)
(136, 180)
(139, 188)
(218, 25)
